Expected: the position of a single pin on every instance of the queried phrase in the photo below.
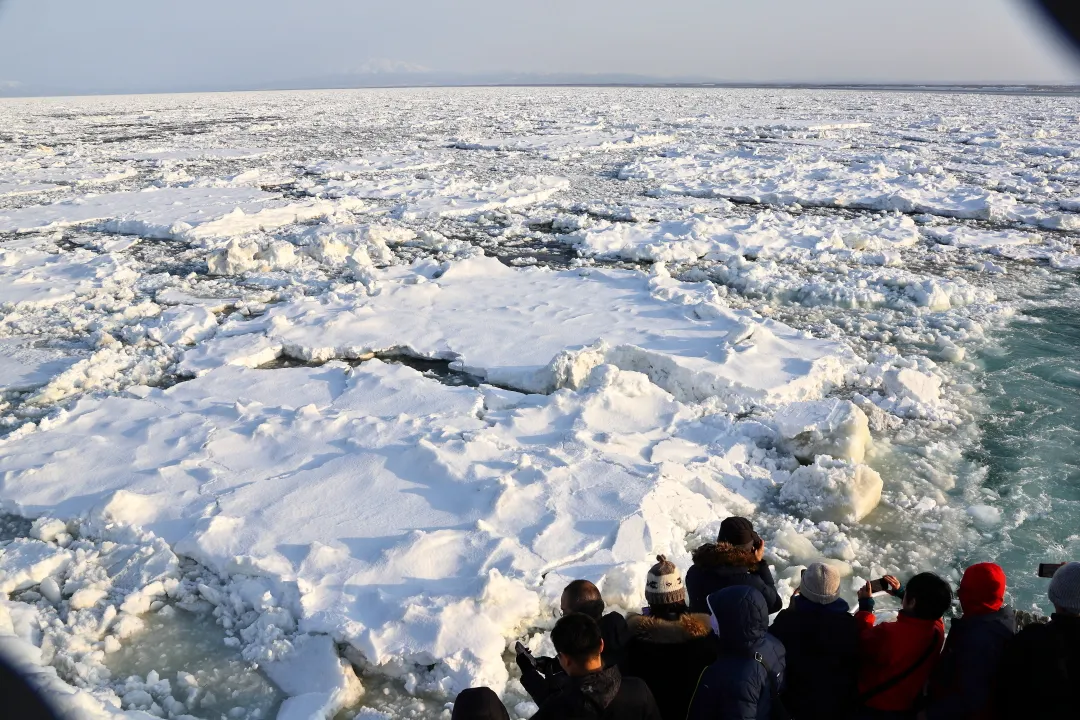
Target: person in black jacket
(1041, 667)
(669, 646)
(747, 678)
(479, 704)
(542, 677)
(593, 691)
(821, 638)
(737, 558)
(962, 684)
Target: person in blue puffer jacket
(745, 681)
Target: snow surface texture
(368, 393)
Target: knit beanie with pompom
(664, 585)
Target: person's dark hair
(480, 703)
(931, 594)
(577, 636)
(583, 597)
(670, 611)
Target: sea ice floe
(10, 189)
(25, 563)
(833, 490)
(416, 521)
(991, 241)
(388, 163)
(753, 175)
(184, 213)
(447, 195)
(558, 145)
(766, 235)
(62, 178)
(25, 367)
(172, 155)
(783, 124)
(824, 427)
(563, 324)
(35, 278)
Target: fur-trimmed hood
(714, 556)
(689, 626)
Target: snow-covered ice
(357, 400)
(172, 213)
(563, 324)
(765, 235)
(560, 145)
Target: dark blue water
(1030, 445)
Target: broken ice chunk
(833, 490)
(908, 383)
(25, 563)
(824, 427)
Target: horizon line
(932, 86)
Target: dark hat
(737, 531)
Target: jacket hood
(839, 605)
(722, 555)
(602, 687)
(741, 617)
(982, 590)
(479, 703)
(653, 629)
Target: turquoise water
(1030, 444)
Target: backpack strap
(779, 712)
(900, 677)
(697, 687)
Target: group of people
(705, 649)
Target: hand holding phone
(1047, 570)
(521, 650)
(887, 584)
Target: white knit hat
(664, 585)
(820, 584)
(1065, 588)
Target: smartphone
(522, 650)
(879, 586)
(1047, 570)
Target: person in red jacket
(898, 657)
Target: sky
(137, 45)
